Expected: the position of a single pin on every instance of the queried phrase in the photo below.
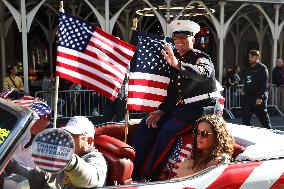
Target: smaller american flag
(52, 150)
(149, 74)
(6, 92)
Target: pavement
(277, 122)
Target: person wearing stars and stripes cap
(190, 90)
(23, 151)
(86, 169)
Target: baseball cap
(79, 125)
(254, 52)
(184, 27)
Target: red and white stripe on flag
(146, 91)
(25, 101)
(91, 57)
(149, 73)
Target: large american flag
(52, 150)
(149, 74)
(91, 57)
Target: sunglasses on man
(202, 134)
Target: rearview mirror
(15, 181)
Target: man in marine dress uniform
(191, 89)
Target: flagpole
(55, 101)
(61, 9)
(127, 111)
(126, 123)
(134, 27)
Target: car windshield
(7, 123)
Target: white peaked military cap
(184, 27)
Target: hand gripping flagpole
(134, 23)
(57, 83)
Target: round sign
(52, 150)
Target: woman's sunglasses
(203, 134)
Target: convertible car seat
(115, 130)
(182, 148)
(119, 156)
(238, 149)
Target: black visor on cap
(183, 33)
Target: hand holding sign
(52, 150)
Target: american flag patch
(52, 150)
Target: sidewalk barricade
(274, 98)
(78, 102)
(90, 104)
(281, 97)
(234, 97)
(227, 104)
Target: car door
(15, 122)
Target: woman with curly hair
(212, 145)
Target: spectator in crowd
(23, 153)
(75, 98)
(226, 77)
(83, 102)
(212, 145)
(195, 77)
(114, 111)
(277, 73)
(234, 79)
(48, 85)
(95, 104)
(13, 80)
(234, 76)
(278, 80)
(255, 91)
(87, 168)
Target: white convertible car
(258, 164)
